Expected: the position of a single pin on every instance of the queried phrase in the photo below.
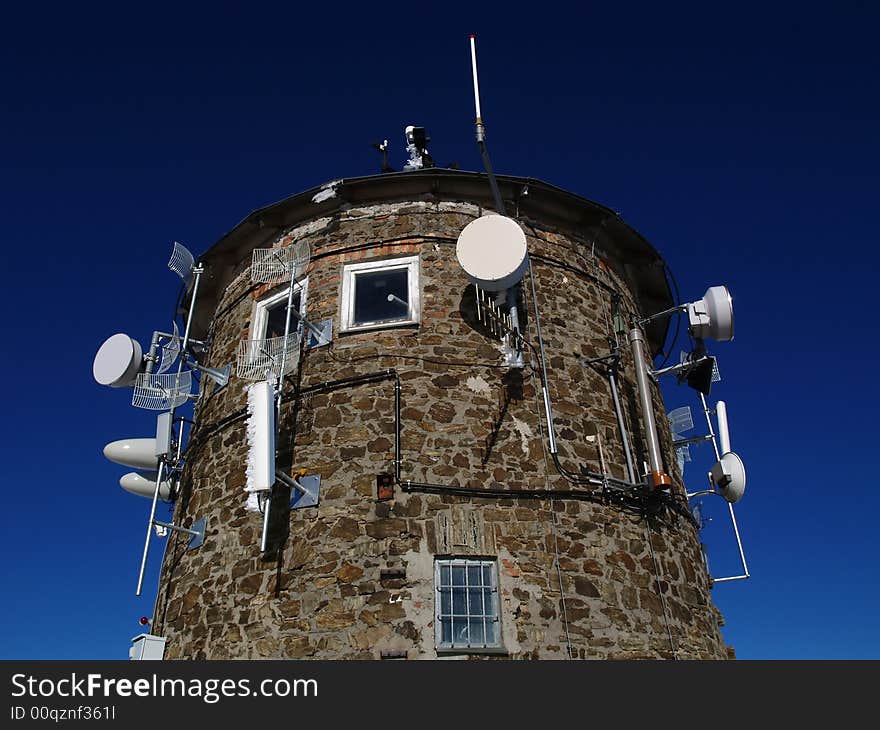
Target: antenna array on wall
(270, 357)
(277, 265)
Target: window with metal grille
(466, 604)
(381, 293)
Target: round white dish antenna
(493, 253)
(729, 476)
(143, 484)
(133, 453)
(118, 361)
(712, 316)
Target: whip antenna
(481, 132)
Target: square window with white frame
(270, 313)
(466, 605)
(381, 293)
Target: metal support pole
(612, 379)
(192, 305)
(169, 526)
(264, 537)
(659, 478)
(707, 413)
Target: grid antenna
(681, 420)
(161, 392)
(170, 351)
(276, 265)
(276, 356)
(181, 262)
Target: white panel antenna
(275, 356)
(181, 262)
(260, 470)
(277, 265)
(161, 392)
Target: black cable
(677, 302)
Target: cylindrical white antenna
(723, 430)
(476, 80)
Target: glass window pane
(487, 575)
(476, 629)
(445, 602)
(489, 601)
(475, 601)
(491, 637)
(474, 576)
(458, 575)
(459, 606)
(460, 632)
(277, 316)
(372, 290)
(446, 631)
(445, 575)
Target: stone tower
(445, 527)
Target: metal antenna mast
(184, 269)
(512, 293)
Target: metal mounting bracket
(304, 490)
(319, 334)
(196, 533)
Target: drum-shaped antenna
(118, 361)
(182, 262)
(274, 356)
(493, 253)
(712, 316)
(161, 392)
(275, 265)
(143, 484)
(170, 351)
(138, 453)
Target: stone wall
(354, 576)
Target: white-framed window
(466, 607)
(380, 294)
(270, 312)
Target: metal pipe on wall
(192, 306)
(659, 478)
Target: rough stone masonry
(354, 577)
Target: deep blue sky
(740, 139)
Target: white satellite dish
(143, 484)
(134, 453)
(729, 476)
(492, 251)
(712, 316)
(118, 361)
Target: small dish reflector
(492, 252)
(729, 475)
(143, 484)
(133, 453)
(712, 316)
(118, 361)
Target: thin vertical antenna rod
(708, 413)
(264, 539)
(481, 134)
(476, 81)
(192, 306)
